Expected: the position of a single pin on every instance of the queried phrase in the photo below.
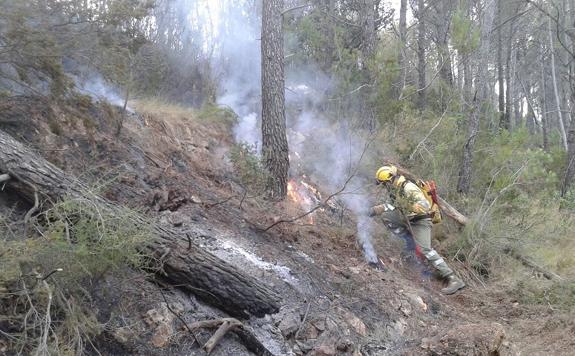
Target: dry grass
(163, 108)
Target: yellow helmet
(385, 173)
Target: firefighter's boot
(454, 284)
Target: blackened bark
(274, 140)
(184, 264)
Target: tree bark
(401, 62)
(183, 264)
(274, 139)
(465, 172)
(556, 89)
(570, 161)
(503, 122)
(421, 63)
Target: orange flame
(303, 194)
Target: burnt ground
(176, 168)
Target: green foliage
(216, 113)
(558, 294)
(465, 34)
(249, 167)
(45, 279)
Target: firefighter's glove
(376, 210)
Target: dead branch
(230, 324)
(225, 326)
(528, 263)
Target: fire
(304, 195)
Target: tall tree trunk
(401, 61)
(274, 139)
(509, 89)
(555, 88)
(570, 160)
(368, 28)
(445, 71)
(570, 164)
(421, 63)
(465, 173)
(503, 122)
(544, 120)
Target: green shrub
(249, 167)
(44, 280)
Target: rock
(160, 319)
(196, 200)
(344, 345)
(467, 339)
(405, 308)
(352, 320)
(416, 301)
(304, 346)
(289, 324)
(324, 350)
(162, 335)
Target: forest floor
(176, 167)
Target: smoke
(322, 147)
(328, 150)
(94, 85)
(238, 67)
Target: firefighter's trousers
(421, 231)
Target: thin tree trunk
(274, 139)
(421, 63)
(465, 173)
(556, 89)
(570, 164)
(544, 119)
(503, 123)
(402, 41)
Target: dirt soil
(177, 169)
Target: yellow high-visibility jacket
(417, 203)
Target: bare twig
(303, 320)
(428, 134)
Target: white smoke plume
(95, 85)
(322, 147)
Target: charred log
(181, 263)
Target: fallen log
(190, 268)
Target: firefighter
(413, 211)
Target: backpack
(429, 190)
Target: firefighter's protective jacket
(415, 202)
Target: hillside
(174, 165)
